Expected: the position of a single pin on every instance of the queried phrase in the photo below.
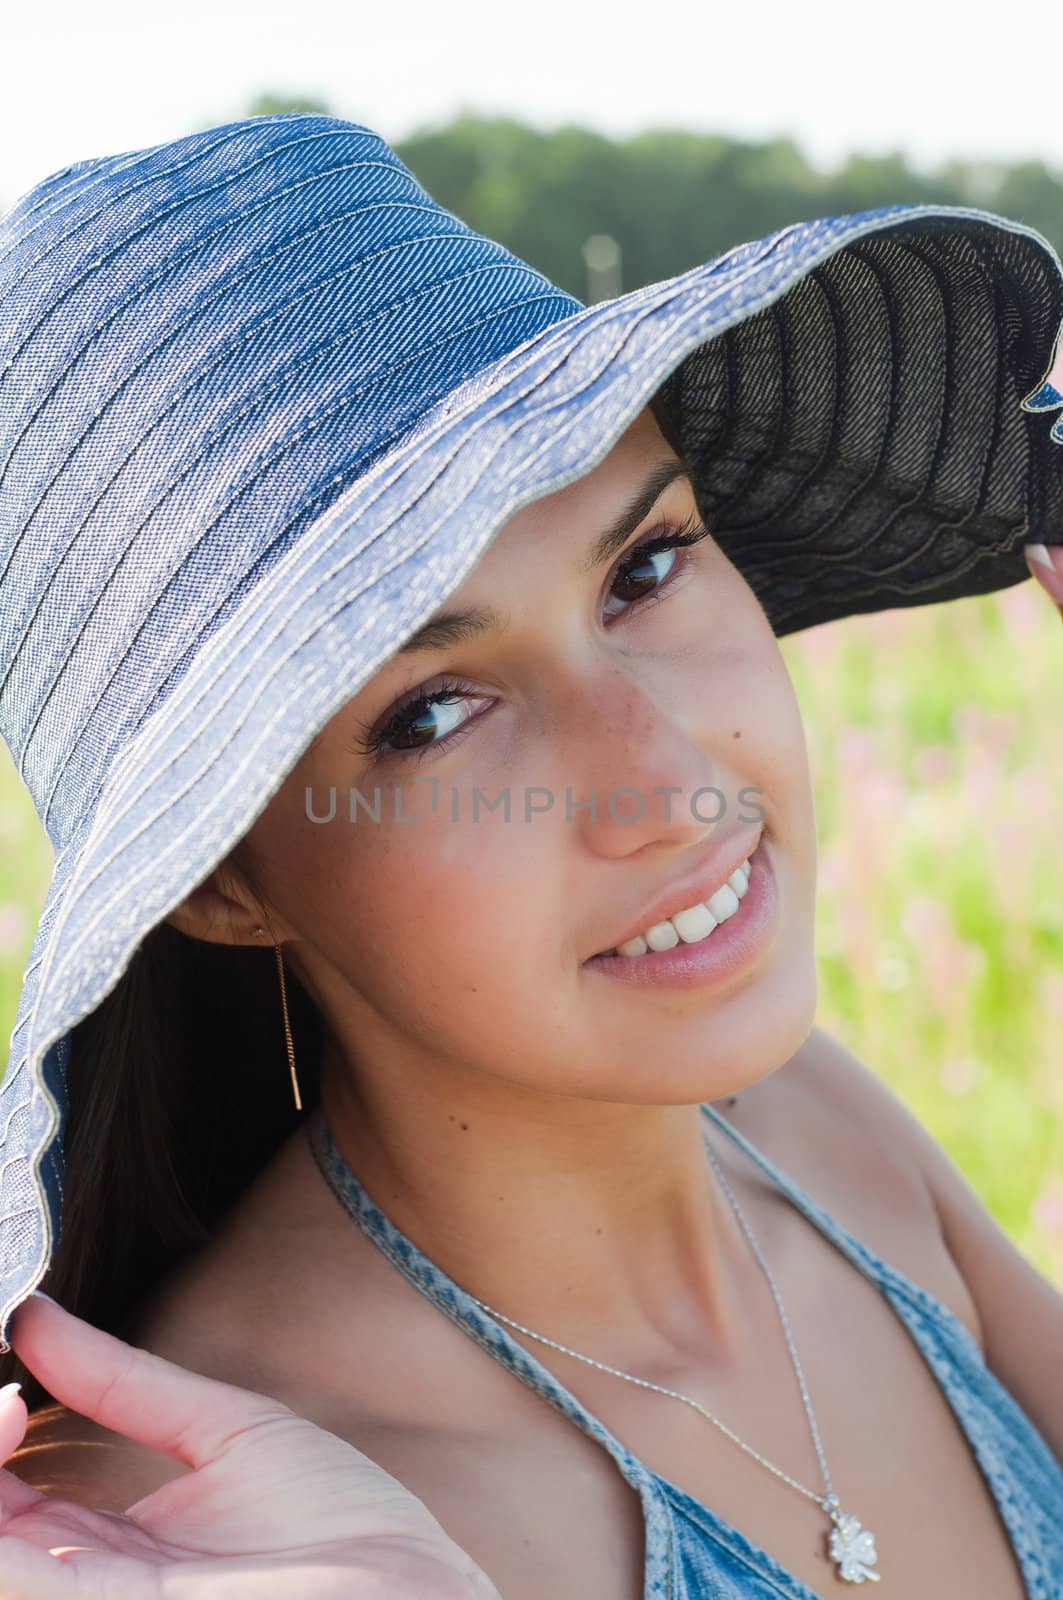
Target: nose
(637, 772)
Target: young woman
(429, 992)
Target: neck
(598, 1225)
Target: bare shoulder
(838, 1129)
(69, 1457)
(835, 1117)
(850, 1141)
(1018, 1312)
(865, 1118)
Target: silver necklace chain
(851, 1547)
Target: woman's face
(442, 940)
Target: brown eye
(421, 724)
(413, 724)
(640, 574)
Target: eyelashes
(403, 716)
(672, 537)
(406, 713)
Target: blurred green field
(936, 740)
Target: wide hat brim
(859, 398)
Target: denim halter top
(691, 1553)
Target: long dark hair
(179, 1094)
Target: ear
(221, 911)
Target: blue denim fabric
(693, 1554)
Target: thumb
(1046, 564)
(132, 1392)
(13, 1418)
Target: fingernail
(1046, 565)
(1039, 552)
(10, 1389)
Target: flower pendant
(852, 1547)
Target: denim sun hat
(264, 403)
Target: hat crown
(202, 344)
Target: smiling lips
(700, 913)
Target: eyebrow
(455, 627)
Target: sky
(929, 80)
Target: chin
(708, 1058)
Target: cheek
(787, 778)
(430, 916)
(745, 711)
(736, 696)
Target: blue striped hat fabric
(264, 403)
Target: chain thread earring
(287, 1024)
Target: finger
(1046, 564)
(77, 1571)
(13, 1418)
(15, 1497)
(131, 1391)
(27, 1573)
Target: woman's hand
(274, 1508)
(1046, 564)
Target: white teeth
(662, 936)
(724, 903)
(694, 923)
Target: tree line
(669, 198)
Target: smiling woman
(535, 1135)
